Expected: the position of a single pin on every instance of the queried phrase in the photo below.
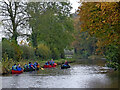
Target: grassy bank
(7, 65)
(96, 57)
(89, 57)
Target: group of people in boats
(50, 62)
(29, 66)
(36, 65)
(16, 67)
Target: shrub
(27, 52)
(11, 49)
(6, 64)
(55, 53)
(113, 56)
(43, 51)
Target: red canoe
(16, 72)
(49, 66)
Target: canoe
(65, 67)
(49, 66)
(28, 69)
(37, 69)
(16, 72)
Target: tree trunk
(62, 55)
(75, 50)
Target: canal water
(82, 74)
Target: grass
(96, 57)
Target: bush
(113, 56)
(43, 51)
(11, 49)
(55, 53)
(6, 64)
(27, 52)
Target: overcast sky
(75, 5)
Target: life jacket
(46, 63)
(35, 63)
(38, 66)
(51, 62)
(29, 65)
(19, 68)
(66, 63)
(25, 66)
(14, 67)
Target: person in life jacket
(38, 66)
(52, 62)
(47, 63)
(14, 67)
(66, 63)
(35, 65)
(25, 66)
(19, 68)
(30, 65)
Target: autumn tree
(102, 20)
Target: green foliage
(28, 52)
(6, 64)
(43, 51)
(11, 49)
(55, 53)
(0, 50)
(54, 28)
(113, 56)
(84, 44)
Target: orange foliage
(102, 20)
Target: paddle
(42, 68)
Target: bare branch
(14, 17)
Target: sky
(75, 5)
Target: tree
(27, 52)
(51, 24)
(84, 44)
(11, 49)
(102, 20)
(14, 19)
(43, 51)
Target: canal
(82, 74)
